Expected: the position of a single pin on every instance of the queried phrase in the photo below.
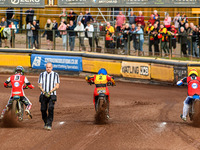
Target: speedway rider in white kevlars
(193, 83)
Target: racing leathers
(193, 83)
(100, 82)
(18, 82)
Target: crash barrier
(105, 42)
(127, 67)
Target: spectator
(120, 41)
(156, 39)
(29, 15)
(140, 19)
(29, 34)
(167, 21)
(149, 31)
(35, 27)
(63, 32)
(152, 20)
(12, 27)
(133, 36)
(126, 36)
(182, 23)
(163, 35)
(183, 39)
(140, 31)
(72, 34)
(195, 38)
(48, 27)
(121, 19)
(189, 33)
(55, 27)
(109, 35)
(81, 34)
(72, 16)
(10, 14)
(90, 29)
(176, 20)
(3, 25)
(63, 14)
(132, 18)
(155, 13)
(80, 18)
(48, 83)
(157, 21)
(173, 33)
(87, 17)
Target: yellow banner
(162, 72)
(93, 65)
(136, 70)
(15, 60)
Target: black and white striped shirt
(48, 81)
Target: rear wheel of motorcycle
(196, 115)
(14, 109)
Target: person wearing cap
(173, 33)
(193, 84)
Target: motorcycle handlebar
(10, 86)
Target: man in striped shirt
(48, 84)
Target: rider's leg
(186, 106)
(7, 107)
(27, 103)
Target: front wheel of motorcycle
(14, 109)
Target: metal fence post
(54, 40)
(26, 38)
(67, 41)
(128, 45)
(92, 41)
(181, 46)
(160, 47)
(13, 38)
(191, 47)
(139, 50)
(170, 43)
(39, 46)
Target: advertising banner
(59, 62)
(22, 3)
(128, 3)
(135, 70)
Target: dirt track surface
(143, 117)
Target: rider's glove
(25, 87)
(5, 85)
(47, 94)
(31, 86)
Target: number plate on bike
(101, 90)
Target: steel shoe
(49, 128)
(28, 113)
(183, 118)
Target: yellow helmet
(193, 71)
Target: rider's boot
(28, 113)
(183, 118)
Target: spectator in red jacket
(152, 20)
(140, 19)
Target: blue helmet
(102, 71)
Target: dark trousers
(47, 103)
(90, 42)
(156, 47)
(184, 49)
(35, 40)
(151, 42)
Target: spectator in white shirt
(81, 34)
(90, 29)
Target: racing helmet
(19, 69)
(102, 71)
(193, 72)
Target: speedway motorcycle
(17, 108)
(102, 105)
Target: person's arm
(28, 83)
(57, 82)
(109, 78)
(182, 81)
(40, 83)
(89, 79)
(7, 82)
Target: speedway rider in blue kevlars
(193, 83)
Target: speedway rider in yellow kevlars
(101, 82)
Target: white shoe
(1, 117)
(49, 128)
(183, 118)
(28, 113)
